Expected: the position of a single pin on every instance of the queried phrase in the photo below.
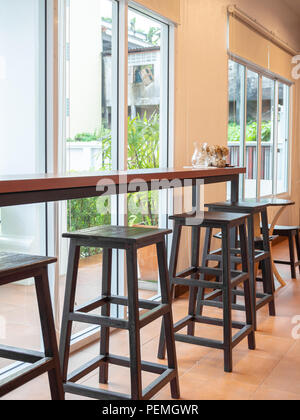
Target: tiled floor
(271, 372)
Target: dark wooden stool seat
(292, 233)
(130, 240)
(227, 279)
(16, 267)
(257, 255)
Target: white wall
(20, 128)
(21, 117)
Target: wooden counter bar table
(30, 189)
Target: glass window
(251, 135)
(283, 138)
(267, 137)
(22, 143)
(267, 148)
(236, 113)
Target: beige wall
(202, 79)
(167, 8)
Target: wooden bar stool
(226, 280)
(16, 267)
(292, 233)
(129, 239)
(256, 256)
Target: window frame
(277, 79)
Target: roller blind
(245, 42)
(170, 9)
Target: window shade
(169, 9)
(245, 42)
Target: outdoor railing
(251, 159)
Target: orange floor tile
(272, 372)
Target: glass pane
(146, 76)
(89, 100)
(236, 112)
(91, 29)
(283, 136)
(267, 137)
(251, 135)
(22, 143)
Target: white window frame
(247, 65)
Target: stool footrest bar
(218, 322)
(27, 374)
(215, 344)
(20, 355)
(84, 370)
(94, 393)
(154, 314)
(158, 384)
(238, 337)
(99, 320)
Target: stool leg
(251, 248)
(49, 334)
(247, 289)
(292, 255)
(195, 262)
(172, 271)
(134, 330)
(66, 327)
(206, 251)
(298, 246)
(227, 297)
(268, 272)
(168, 318)
(105, 311)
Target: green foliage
(99, 135)
(84, 213)
(143, 142)
(153, 36)
(143, 153)
(234, 132)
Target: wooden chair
(292, 233)
(129, 239)
(227, 279)
(16, 267)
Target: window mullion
(123, 84)
(258, 157)
(243, 131)
(275, 149)
(122, 136)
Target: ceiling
(294, 5)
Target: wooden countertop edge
(58, 182)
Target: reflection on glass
(89, 84)
(22, 143)
(283, 136)
(251, 135)
(267, 136)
